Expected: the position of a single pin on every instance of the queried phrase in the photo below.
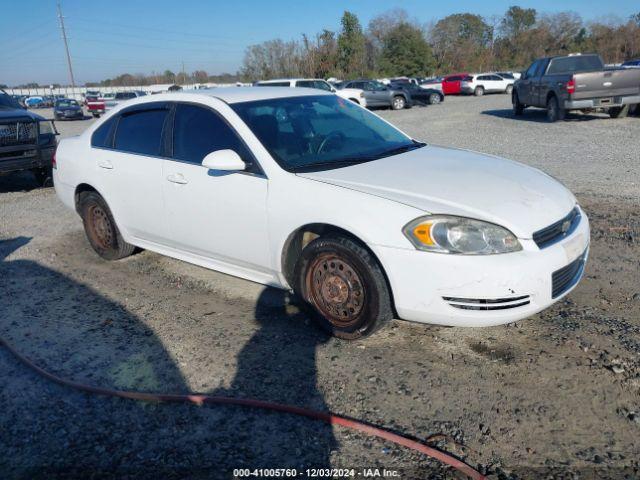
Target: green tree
(462, 42)
(516, 20)
(406, 52)
(351, 46)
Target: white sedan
(303, 190)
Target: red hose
(197, 399)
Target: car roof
(290, 80)
(235, 94)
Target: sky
(111, 37)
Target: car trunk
(607, 83)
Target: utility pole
(184, 76)
(66, 44)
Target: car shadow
(539, 115)
(23, 181)
(48, 431)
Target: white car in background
(354, 94)
(435, 83)
(481, 83)
(300, 189)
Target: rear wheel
(509, 89)
(101, 229)
(398, 103)
(619, 112)
(554, 111)
(343, 287)
(434, 99)
(479, 91)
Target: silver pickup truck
(576, 82)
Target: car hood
(441, 180)
(14, 114)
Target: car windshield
(67, 103)
(311, 133)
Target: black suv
(27, 141)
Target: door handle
(177, 178)
(106, 164)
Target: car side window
(320, 85)
(103, 136)
(140, 131)
(532, 69)
(198, 131)
(305, 84)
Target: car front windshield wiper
(346, 162)
(343, 162)
(401, 149)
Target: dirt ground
(555, 394)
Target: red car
(451, 83)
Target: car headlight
(459, 235)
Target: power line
(66, 44)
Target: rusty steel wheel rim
(100, 227)
(336, 290)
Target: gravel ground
(558, 392)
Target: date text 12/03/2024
(315, 473)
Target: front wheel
(518, 108)
(343, 287)
(398, 103)
(43, 176)
(96, 115)
(101, 229)
(434, 99)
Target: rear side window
(103, 136)
(198, 131)
(578, 63)
(141, 132)
(274, 84)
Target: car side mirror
(226, 160)
(333, 90)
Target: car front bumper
(482, 290)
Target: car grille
(18, 133)
(565, 278)
(488, 303)
(558, 230)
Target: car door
(220, 216)
(381, 93)
(538, 87)
(128, 166)
(524, 85)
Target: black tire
(354, 101)
(434, 99)
(554, 111)
(398, 102)
(101, 229)
(518, 108)
(44, 176)
(343, 287)
(96, 115)
(479, 91)
(619, 112)
(509, 89)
